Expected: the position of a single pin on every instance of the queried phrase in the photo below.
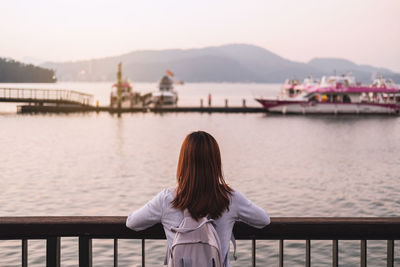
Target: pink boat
(336, 95)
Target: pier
(52, 229)
(69, 101)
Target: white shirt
(159, 210)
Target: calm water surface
(99, 164)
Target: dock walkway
(165, 109)
(45, 96)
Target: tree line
(12, 71)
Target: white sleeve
(249, 213)
(148, 215)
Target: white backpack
(196, 244)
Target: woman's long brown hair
(201, 185)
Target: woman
(203, 192)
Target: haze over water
(99, 164)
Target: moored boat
(166, 94)
(339, 95)
(122, 95)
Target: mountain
(227, 63)
(363, 73)
(12, 71)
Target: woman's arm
(148, 215)
(249, 213)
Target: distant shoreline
(12, 71)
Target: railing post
(85, 251)
(253, 253)
(363, 253)
(390, 253)
(335, 253)
(308, 253)
(281, 253)
(24, 253)
(53, 252)
(143, 255)
(115, 252)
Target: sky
(363, 31)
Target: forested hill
(12, 71)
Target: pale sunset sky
(364, 31)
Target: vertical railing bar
(390, 253)
(253, 253)
(308, 253)
(53, 252)
(85, 251)
(335, 253)
(363, 253)
(115, 252)
(24, 253)
(281, 253)
(143, 255)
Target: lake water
(100, 164)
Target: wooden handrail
(45, 95)
(294, 228)
(281, 228)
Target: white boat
(166, 94)
(339, 94)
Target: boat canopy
(355, 90)
(123, 85)
(334, 80)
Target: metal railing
(29, 95)
(302, 228)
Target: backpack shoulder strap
(187, 230)
(234, 246)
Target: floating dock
(164, 109)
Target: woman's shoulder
(237, 198)
(166, 195)
(235, 194)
